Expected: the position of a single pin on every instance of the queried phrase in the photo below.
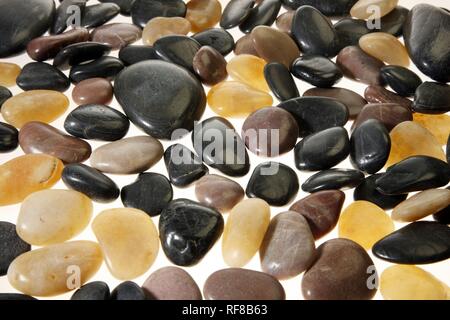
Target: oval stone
(333, 9)
(210, 65)
(235, 12)
(203, 14)
(385, 47)
(333, 179)
(78, 53)
(9, 138)
(389, 114)
(402, 80)
(363, 8)
(9, 73)
(128, 291)
(136, 53)
(437, 124)
(249, 70)
(96, 290)
(316, 70)
(263, 13)
(116, 35)
(160, 27)
(93, 91)
(11, 246)
(432, 98)
(218, 38)
(280, 81)
(98, 14)
(143, 11)
(177, 49)
(40, 75)
(105, 67)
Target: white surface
(213, 260)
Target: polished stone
(363, 8)
(333, 179)
(329, 8)
(65, 13)
(389, 114)
(402, 80)
(218, 38)
(245, 45)
(9, 138)
(432, 98)
(128, 290)
(160, 27)
(92, 291)
(385, 47)
(350, 31)
(235, 12)
(16, 297)
(203, 14)
(98, 14)
(5, 94)
(394, 21)
(40, 75)
(316, 70)
(9, 73)
(284, 21)
(437, 124)
(79, 53)
(210, 65)
(263, 13)
(105, 67)
(11, 246)
(249, 70)
(143, 11)
(136, 53)
(125, 5)
(116, 35)
(280, 81)
(93, 91)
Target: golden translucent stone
(129, 240)
(55, 269)
(26, 174)
(437, 124)
(161, 26)
(9, 73)
(365, 223)
(244, 231)
(385, 47)
(372, 9)
(203, 14)
(236, 99)
(403, 282)
(34, 105)
(248, 69)
(46, 218)
(409, 139)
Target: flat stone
(5, 94)
(363, 10)
(145, 92)
(188, 230)
(245, 45)
(96, 290)
(39, 137)
(26, 174)
(203, 14)
(9, 73)
(385, 47)
(244, 232)
(45, 218)
(263, 13)
(235, 13)
(273, 182)
(421, 242)
(248, 69)
(9, 138)
(40, 75)
(316, 70)
(437, 124)
(394, 21)
(333, 179)
(280, 81)
(125, 5)
(93, 91)
(136, 53)
(90, 182)
(11, 246)
(402, 80)
(54, 261)
(64, 14)
(349, 280)
(127, 156)
(350, 31)
(105, 67)
(322, 150)
(432, 98)
(128, 290)
(287, 232)
(389, 114)
(171, 283)
(143, 11)
(218, 38)
(160, 27)
(331, 9)
(98, 14)
(117, 35)
(210, 66)
(79, 53)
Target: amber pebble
(244, 231)
(437, 124)
(53, 269)
(379, 94)
(245, 45)
(203, 14)
(365, 223)
(45, 218)
(385, 47)
(26, 174)
(9, 73)
(411, 139)
(163, 26)
(236, 99)
(210, 65)
(284, 21)
(373, 9)
(129, 240)
(93, 91)
(249, 70)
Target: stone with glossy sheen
(160, 27)
(316, 70)
(40, 75)
(116, 35)
(203, 14)
(128, 291)
(125, 5)
(64, 13)
(432, 98)
(98, 14)
(362, 8)
(385, 47)
(394, 21)
(210, 65)
(218, 38)
(79, 53)
(437, 124)
(136, 53)
(143, 11)
(280, 81)
(93, 91)
(245, 45)
(95, 291)
(9, 138)
(11, 246)
(333, 179)
(402, 80)
(5, 94)
(16, 297)
(105, 67)
(389, 114)
(350, 31)
(263, 13)
(332, 9)
(235, 12)
(9, 73)
(249, 70)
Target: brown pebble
(284, 21)
(210, 65)
(203, 14)
(245, 45)
(389, 114)
(117, 35)
(379, 94)
(93, 91)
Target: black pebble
(218, 38)
(316, 70)
(78, 53)
(264, 13)
(402, 80)
(393, 22)
(125, 5)
(177, 49)
(15, 297)
(334, 8)
(350, 30)
(5, 94)
(235, 12)
(11, 246)
(104, 67)
(9, 137)
(41, 75)
(98, 14)
(144, 10)
(134, 54)
(280, 81)
(333, 179)
(128, 290)
(432, 98)
(97, 290)
(64, 13)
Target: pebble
(443, 216)
(171, 283)
(350, 31)
(242, 284)
(385, 47)
(129, 241)
(116, 35)
(9, 138)
(402, 80)
(273, 182)
(389, 114)
(151, 193)
(136, 53)
(92, 291)
(218, 38)
(54, 261)
(248, 69)
(127, 156)
(263, 13)
(159, 27)
(363, 8)
(394, 21)
(45, 218)
(128, 290)
(9, 73)
(316, 70)
(90, 182)
(350, 279)
(432, 98)
(333, 179)
(40, 75)
(288, 247)
(203, 14)
(64, 14)
(79, 53)
(39, 137)
(183, 165)
(280, 81)
(270, 131)
(420, 242)
(437, 124)
(244, 231)
(235, 13)
(98, 14)
(15, 297)
(143, 11)
(188, 230)
(245, 45)
(5, 94)
(93, 91)
(125, 5)
(11, 246)
(105, 67)
(284, 21)
(331, 9)
(145, 92)
(322, 150)
(365, 223)
(210, 65)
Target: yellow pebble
(437, 124)
(248, 69)
(385, 47)
(373, 9)
(8, 74)
(203, 14)
(159, 27)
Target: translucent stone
(203, 14)
(372, 9)
(385, 47)
(9, 73)
(248, 69)
(161, 26)
(437, 124)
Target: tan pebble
(385, 47)
(9, 73)
(437, 124)
(159, 27)
(249, 70)
(203, 14)
(373, 9)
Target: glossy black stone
(280, 81)
(41, 75)
(314, 114)
(414, 174)
(443, 216)
(78, 53)
(65, 13)
(421, 242)
(367, 191)
(91, 182)
(21, 21)
(427, 37)
(393, 22)
(11, 246)
(128, 290)
(177, 49)
(316, 70)
(218, 38)
(98, 14)
(134, 54)
(9, 137)
(211, 140)
(151, 193)
(144, 10)
(97, 290)
(333, 179)
(97, 122)
(188, 230)
(322, 150)
(125, 5)
(263, 13)
(432, 98)
(183, 166)
(273, 182)
(350, 30)
(314, 33)
(401, 80)
(334, 8)
(160, 97)
(5, 94)
(370, 146)
(235, 12)
(104, 67)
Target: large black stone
(105, 67)
(333, 8)
(5, 94)
(280, 81)
(264, 13)
(134, 54)
(432, 98)
(235, 12)
(78, 53)
(333, 179)
(98, 14)
(316, 70)
(41, 75)
(128, 290)
(177, 49)
(144, 10)
(66, 12)
(11, 245)
(97, 290)
(9, 137)
(443, 216)
(218, 38)
(402, 80)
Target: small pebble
(210, 66)
(5, 94)
(432, 98)
(245, 45)
(379, 94)
(93, 91)
(218, 38)
(333, 179)
(235, 12)
(350, 31)
(79, 53)
(136, 53)
(143, 11)
(249, 70)
(9, 73)
(116, 35)
(11, 246)
(177, 49)
(316, 70)
(263, 13)
(97, 290)
(385, 47)
(203, 14)
(9, 138)
(105, 67)
(159, 27)
(389, 114)
(98, 14)
(402, 80)
(280, 81)
(284, 21)
(128, 290)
